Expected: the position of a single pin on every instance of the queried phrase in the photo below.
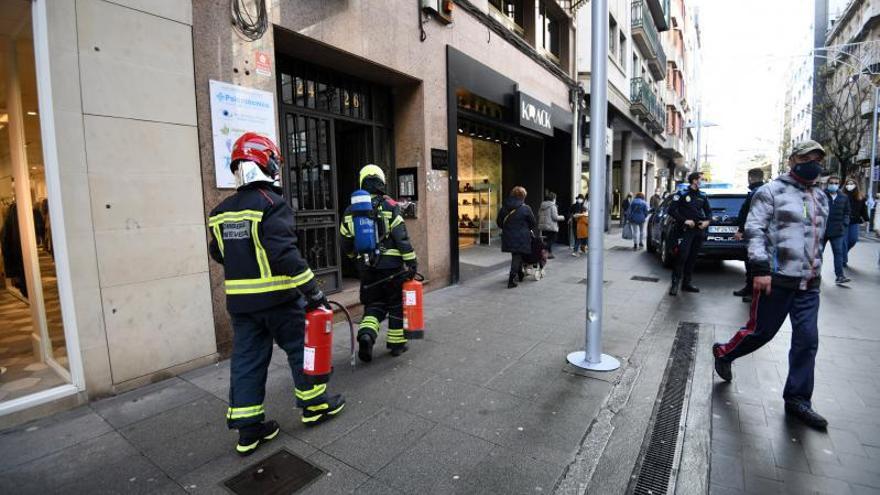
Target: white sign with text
(234, 111)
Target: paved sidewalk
(486, 404)
(757, 450)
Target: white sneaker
(575, 254)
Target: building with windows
(651, 45)
(118, 120)
(852, 67)
(800, 99)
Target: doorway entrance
(331, 126)
(492, 156)
(33, 347)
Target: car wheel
(665, 255)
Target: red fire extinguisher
(413, 318)
(318, 349)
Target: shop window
(33, 346)
(549, 31)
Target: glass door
(33, 347)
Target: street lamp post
(699, 125)
(873, 154)
(591, 358)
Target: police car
(720, 243)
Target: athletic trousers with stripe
(767, 315)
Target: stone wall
(125, 120)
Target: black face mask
(808, 172)
(373, 185)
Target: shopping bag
(627, 231)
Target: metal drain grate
(620, 248)
(583, 281)
(640, 278)
(657, 468)
(280, 473)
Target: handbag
(627, 231)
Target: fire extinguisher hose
(350, 329)
(418, 276)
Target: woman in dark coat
(517, 222)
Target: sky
(749, 48)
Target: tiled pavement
(485, 404)
(757, 450)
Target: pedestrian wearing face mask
(838, 226)
(784, 227)
(858, 214)
(690, 209)
(756, 180)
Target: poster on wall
(234, 111)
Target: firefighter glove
(316, 299)
(413, 268)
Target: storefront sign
(534, 115)
(263, 63)
(234, 111)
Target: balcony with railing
(645, 35)
(645, 104)
(641, 98)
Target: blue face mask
(832, 188)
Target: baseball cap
(804, 147)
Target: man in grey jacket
(785, 228)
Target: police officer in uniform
(381, 278)
(268, 289)
(690, 209)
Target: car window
(726, 205)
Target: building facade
(135, 104)
(853, 67)
(652, 45)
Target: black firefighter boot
(398, 349)
(251, 437)
(365, 347)
(325, 410)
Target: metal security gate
(331, 125)
(310, 186)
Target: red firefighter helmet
(258, 149)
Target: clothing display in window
(10, 244)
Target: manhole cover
(639, 278)
(280, 473)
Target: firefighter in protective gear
(268, 289)
(381, 298)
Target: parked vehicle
(720, 243)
